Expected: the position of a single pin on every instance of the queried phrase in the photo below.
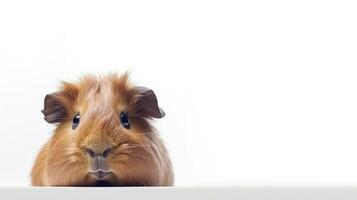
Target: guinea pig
(104, 136)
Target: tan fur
(138, 156)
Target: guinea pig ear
(54, 111)
(57, 104)
(146, 104)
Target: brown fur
(138, 156)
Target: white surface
(207, 193)
(256, 92)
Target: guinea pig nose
(92, 153)
(106, 152)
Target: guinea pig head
(104, 134)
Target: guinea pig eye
(76, 120)
(124, 120)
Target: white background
(256, 92)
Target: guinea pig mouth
(101, 175)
